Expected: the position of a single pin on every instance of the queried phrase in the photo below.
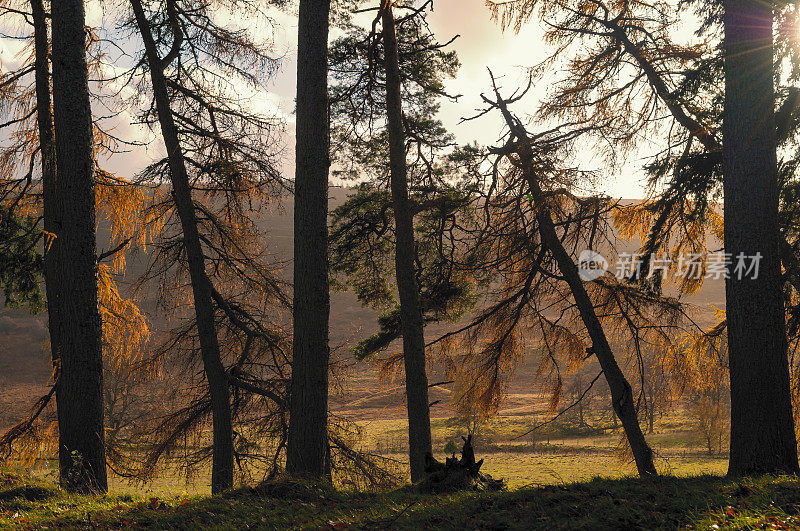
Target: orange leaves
(125, 328)
(701, 361)
(689, 236)
(128, 210)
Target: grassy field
(568, 475)
(702, 502)
(561, 454)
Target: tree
(222, 465)
(621, 392)
(32, 201)
(50, 198)
(697, 174)
(683, 84)
(21, 260)
(525, 244)
(79, 393)
(229, 151)
(762, 426)
(307, 451)
(705, 379)
(655, 388)
(219, 162)
(387, 86)
(419, 420)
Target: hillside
(25, 367)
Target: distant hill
(25, 367)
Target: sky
(481, 44)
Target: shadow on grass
(660, 503)
(27, 492)
(16, 494)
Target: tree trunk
(762, 428)
(47, 151)
(79, 393)
(419, 420)
(307, 445)
(621, 392)
(222, 459)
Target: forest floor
(553, 478)
(702, 502)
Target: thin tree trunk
(222, 459)
(621, 392)
(419, 420)
(47, 151)
(307, 446)
(79, 394)
(762, 427)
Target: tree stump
(457, 474)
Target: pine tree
(386, 88)
(762, 427)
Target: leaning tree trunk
(222, 458)
(762, 428)
(307, 445)
(621, 392)
(79, 394)
(419, 419)
(47, 151)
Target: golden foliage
(127, 209)
(125, 329)
(689, 237)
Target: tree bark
(419, 421)
(222, 459)
(762, 427)
(80, 388)
(307, 445)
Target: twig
(114, 251)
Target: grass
(561, 453)
(553, 481)
(701, 502)
(520, 469)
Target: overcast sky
(481, 44)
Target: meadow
(560, 476)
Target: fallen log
(457, 474)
